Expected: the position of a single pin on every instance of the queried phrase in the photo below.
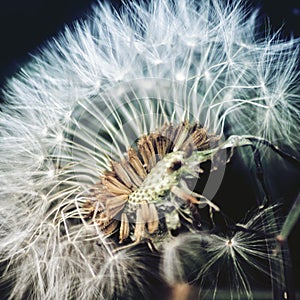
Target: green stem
(290, 221)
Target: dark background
(27, 24)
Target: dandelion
(214, 261)
(115, 139)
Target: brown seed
(182, 133)
(145, 211)
(110, 228)
(152, 153)
(139, 231)
(152, 223)
(199, 137)
(135, 178)
(115, 205)
(147, 152)
(166, 133)
(183, 195)
(121, 172)
(106, 224)
(124, 228)
(170, 134)
(115, 186)
(156, 139)
(88, 207)
(136, 163)
(144, 151)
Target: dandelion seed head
(104, 135)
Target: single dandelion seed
(210, 260)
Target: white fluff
(89, 93)
(213, 259)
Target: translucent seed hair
(108, 134)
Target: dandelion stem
(231, 142)
(290, 221)
(291, 158)
(260, 174)
(284, 286)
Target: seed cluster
(143, 177)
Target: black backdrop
(24, 25)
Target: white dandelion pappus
(104, 135)
(215, 261)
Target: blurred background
(26, 25)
